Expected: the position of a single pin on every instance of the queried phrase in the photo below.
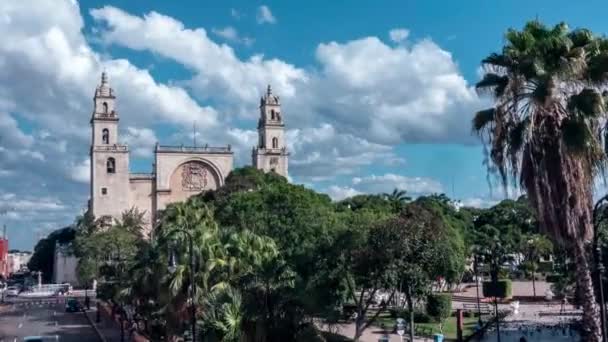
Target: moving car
(72, 305)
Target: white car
(12, 291)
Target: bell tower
(109, 159)
(271, 153)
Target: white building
(64, 265)
(17, 261)
(178, 172)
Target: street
(43, 317)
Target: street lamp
(172, 268)
(598, 261)
(476, 270)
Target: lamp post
(476, 270)
(172, 268)
(598, 261)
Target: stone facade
(178, 171)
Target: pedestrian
(87, 302)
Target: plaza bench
(483, 308)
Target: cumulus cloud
(231, 34)
(345, 111)
(141, 141)
(338, 193)
(398, 35)
(264, 15)
(81, 172)
(388, 182)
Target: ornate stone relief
(194, 177)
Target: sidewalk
(108, 329)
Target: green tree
(44, 252)
(547, 84)
(406, 250)
(534, 247)
(397, 199)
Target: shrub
(553, 278)
(419, 316)
(439, 306)
(309, 334)
(500, 289)
(107, 291)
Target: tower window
(105, 107)
(105, 136)
(272, 114)
(104, 191)
(275, 142)
(111, 165)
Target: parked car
(73, 305)
(12, 291)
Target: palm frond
(482, 119)
(494, 83)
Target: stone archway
(193, 177)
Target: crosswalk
(36, 303)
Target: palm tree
(397, 198)
(545, 128)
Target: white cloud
(399, 35)
(219, 73)
(81, 172)
(235, 14)
(344, 112)
(141, 141)
(264, 15)
(338, 193)
(478, 202)
(230, 34)
(389, 181)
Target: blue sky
(376, 95)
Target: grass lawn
(449, 327)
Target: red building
(3, 258)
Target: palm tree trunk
(591, 322)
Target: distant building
(17, 260)
(64, 265)
(4, 272)
(178, 172)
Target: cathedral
(178, 171)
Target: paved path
(109, 329)
(371, 334)
(46, 318)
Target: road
(45, 317)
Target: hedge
(439, 306)
(419, 316)
(501, 289)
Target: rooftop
(193, 149)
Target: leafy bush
(419, 316)
(439, 306)
(310, 334)
(107, 291)
(501, 289)
(553, 278)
